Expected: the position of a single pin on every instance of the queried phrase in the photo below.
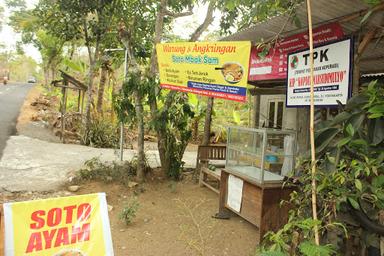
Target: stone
(73, 188)
(132, 184)
(110, 208)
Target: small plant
(129, 211)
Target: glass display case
(261, 155)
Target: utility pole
(121, 141)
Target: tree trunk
(140, 138)
(208, 122)
(89, 101)
(93, 58)
(195, 129)
(135, 70)
(100, 93)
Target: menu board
(213, 69)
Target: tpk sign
(332, 75)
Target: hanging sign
(77, 225)
(274, 65)
(213, 69)
(332, 75)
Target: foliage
(96, 170)
(102, 134)
(241, 14)
(124, 103)
(129, 211)
(350, 181)
(174, 118)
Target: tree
(167, 158)
(28, 23)
(88, 21)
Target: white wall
(289, 115)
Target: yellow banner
(213, 69)
(65, 226)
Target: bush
(96, 170)
(102, 134)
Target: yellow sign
(213, 69)
(68, 226)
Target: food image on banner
(332, 75)
(67, 226)
(274, 65)
(213, 69)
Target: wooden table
(260, 203)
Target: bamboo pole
(312, 124)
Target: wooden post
(82, 102)
(2, 231)
(312, 124)
(302, 124)
(208, 122)
(381, 219)
(78, 101)
(256, 111)
(63, 111)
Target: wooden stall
(252, 182)
(260, 203)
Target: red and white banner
(274, 65)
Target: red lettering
(54, 217)
(81, 234)
(84, 212)
(39, 222)
(69, 210)
(35, 243)
(62, 237)
(48, 237)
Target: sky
(9, 38)
(183, 27)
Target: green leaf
(297, 21)
(354, 203)
(236, 117)
(273, 253)
(350, 130)
(308, 248)
(359, 185)
(378, 181)
(325, 137)
(366, 16)
(359, 142)
(343, 116)
(193, 100)
(377, 109)
(343, 142)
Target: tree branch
(180, 14)
(207, 21)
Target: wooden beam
(268, 91)
(365, 42)
(361, 47)
(341, 19)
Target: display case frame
(260, 157)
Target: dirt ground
(174, 218)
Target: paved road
(11, 99)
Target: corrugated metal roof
(324, 11)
